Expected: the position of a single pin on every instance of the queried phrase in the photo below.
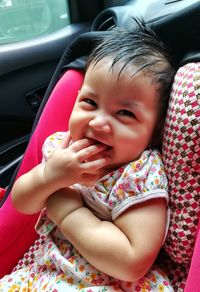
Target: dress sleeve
(51, 143)
(44, 225)
(140, 181)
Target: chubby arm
(125, 249)
(31, 190)
(67, 165)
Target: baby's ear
(53, 142)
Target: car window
(25, 19)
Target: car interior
(39, 80)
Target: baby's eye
(126, 113)
(90, 102)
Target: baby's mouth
(106, 148)
(100, 141)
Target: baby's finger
(81, 144)
(86, 153)
(91, 166)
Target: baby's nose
(101, 124)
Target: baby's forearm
(30, 191)
(62, 203)
(101, 243)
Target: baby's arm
(67, 165)
(125, 249)
(62, 203)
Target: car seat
(17, 229)
(181, 129)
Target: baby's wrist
(49, 180)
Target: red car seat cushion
(17, 230)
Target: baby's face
(119, 112)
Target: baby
(101, 188)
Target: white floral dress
(59, 266)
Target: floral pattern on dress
(60, 267)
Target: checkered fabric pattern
(181, 155)
(29, 256)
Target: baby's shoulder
(149, 159)
(51, 143)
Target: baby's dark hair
(142, 48)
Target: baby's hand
(73, 163)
